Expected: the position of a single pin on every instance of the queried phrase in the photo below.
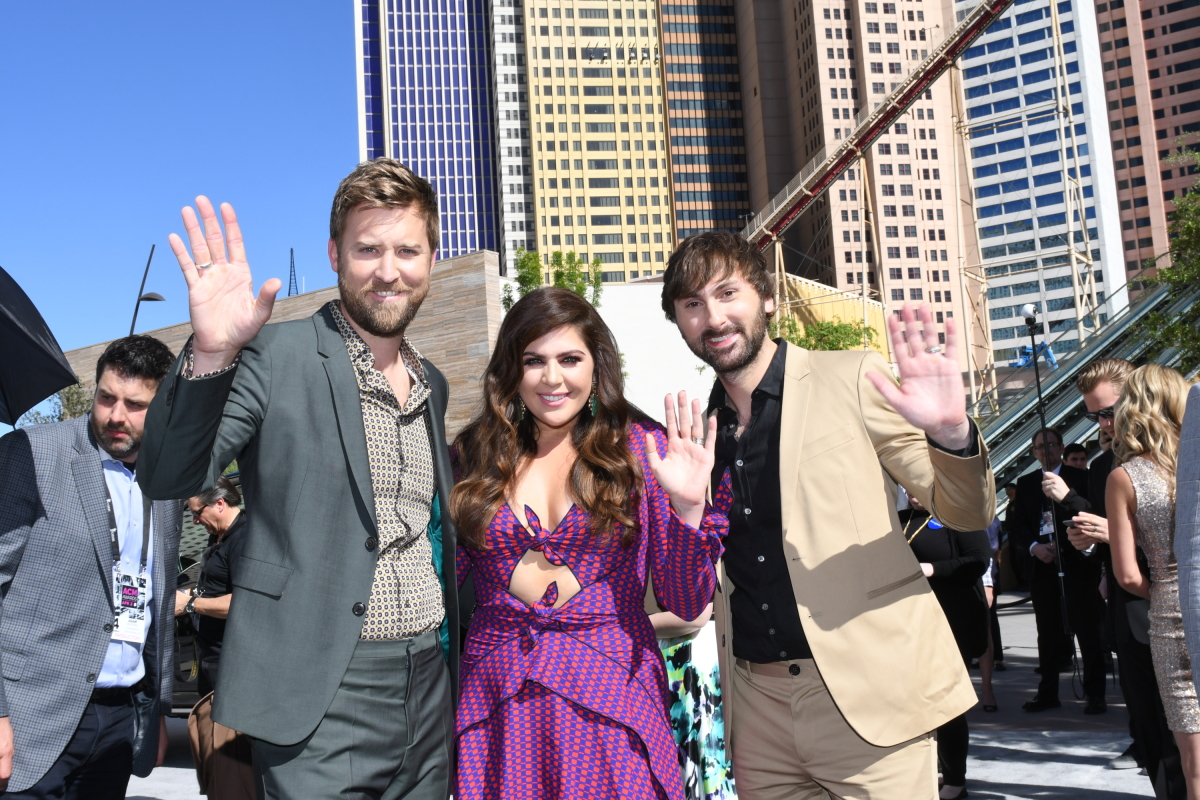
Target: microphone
(1029, 312)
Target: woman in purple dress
(566, 499)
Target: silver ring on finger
(205, 265)
(698, 440)
(933, 350)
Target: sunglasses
(1106, 413)
(196, 515)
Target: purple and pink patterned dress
(571, 702)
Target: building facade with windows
(517, 219)
(1151, 56)
(704, 118)
(1040, 178)
(426, 97)
(598, 140)
(888, 225)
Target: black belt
(103, 693)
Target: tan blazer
(878, 635)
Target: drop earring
(520, 409)
(593, 401)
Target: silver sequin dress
(1155, 530)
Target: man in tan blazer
(836, 660)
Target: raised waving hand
(930, 393)
(684, 472)
(224, 311)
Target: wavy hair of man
(1149, 416)
(493, 449)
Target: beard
(382, 319)
(117, 449)
(733, 360)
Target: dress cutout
(1155, 531)
(571, 703)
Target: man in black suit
(1039, 528)
(1101, 384)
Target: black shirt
(766, 622)
(216, 580)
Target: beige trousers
(790, 742)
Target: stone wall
(455, 328)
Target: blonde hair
(1104, 370)
(1149, 416)
(384, 183)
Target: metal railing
(1009, 432)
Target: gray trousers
(388, 734)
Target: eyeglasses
(196, 515)
(1106, 413)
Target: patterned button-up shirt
(406, 596)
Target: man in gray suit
(87, 566)
(341, 650)
(1187, 526)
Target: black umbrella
(32, 365)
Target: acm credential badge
(129, 597)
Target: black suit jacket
(1027, 515)
(1117, 618)
(290, 414)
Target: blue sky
(116, 115)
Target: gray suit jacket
(1187, 525)
(291, 416)
(56, 581)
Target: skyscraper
(425, 97)
(599, 158)
(889, 224)
(1149, 59)
(517, 218)
(1041, 170)
(704, 118)
(540, 123)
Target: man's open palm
(224, 311)
(930, 393)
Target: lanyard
(112, 528)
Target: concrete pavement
(1053, 755)
(1057, 754)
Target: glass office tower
(425, 97)
(1040, 169)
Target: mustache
(394, 286)
(712, 333)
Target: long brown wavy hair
(497, 444)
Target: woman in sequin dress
(565, 500)
(1140, 498)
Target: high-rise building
(539, 122)
(889, 224)
(598, 144)
(425, 97)
(1040, 171)
(1149, 60)
(704, 118)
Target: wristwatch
(190, 608)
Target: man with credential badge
(86, 637)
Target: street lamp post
(144, 295)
